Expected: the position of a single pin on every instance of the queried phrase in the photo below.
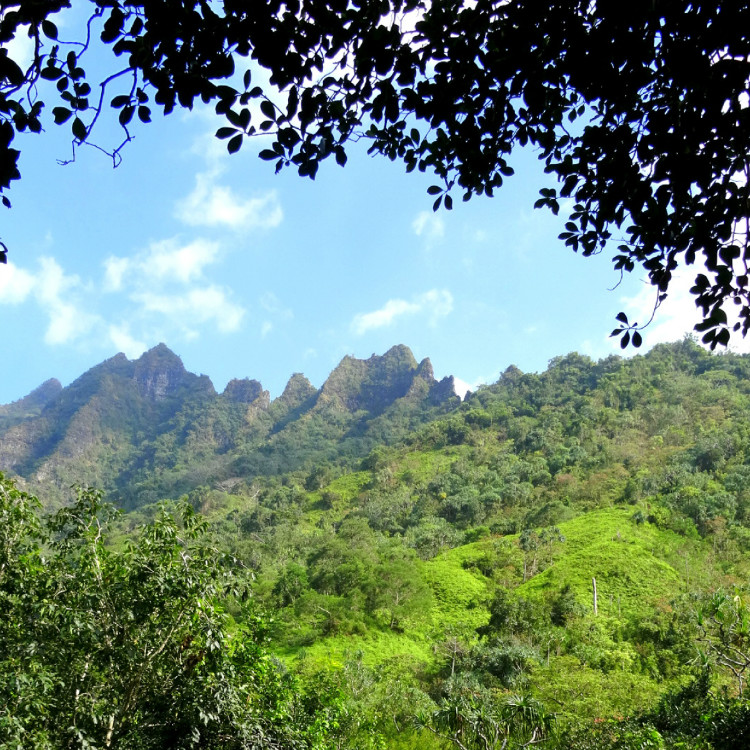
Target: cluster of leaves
(639, 112)
(132, 648)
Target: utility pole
(593, 584)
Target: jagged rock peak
(159, 372)
(444, 390)
(398, 358)
(399, 354)
(371, 384)
(243, 391)
(117, 365)
(158, 355)
(297, 390)
(39, 397)
(425, 370)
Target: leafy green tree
(431, 536)
(344, 561)
(723, 623)
(513, 616)
(133, 647)
(291, 584)
(564, 606)
(537, 545)
(319, 477)
(397, 592)
(638, 111)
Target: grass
(627, 559)
(460, 595)
(601, 675)
(349, 486)
(375, 648)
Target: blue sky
(246, 273)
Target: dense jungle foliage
(435, 593)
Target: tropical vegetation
(559, 560)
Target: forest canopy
(639, 111)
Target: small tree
(723, 623)
(472, 717)
(131, 648)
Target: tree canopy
(101, 647)
(640, 111)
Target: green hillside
(426, 565)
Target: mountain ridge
(123, 419)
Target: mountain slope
(148, 429)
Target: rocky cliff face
(374, 384)
(159, 373)
(443, 390)
(86, 433)
(371, 384)
(298, 390)
(245, 391)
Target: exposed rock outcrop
(159, 373)
(371, 384)
(298, 390)
(443, 390)
(245, 391)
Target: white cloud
(15, 284)
(167, 283)
(276, 312)
(271, 304)
(429, 225)
(461, 387)
(124, 342)
(168, 260)
(211, 204)
(58, 295)
(195, 307)
(61, 297)
(163, 261)
(156, 294)
(385, 316)
(114, 270)
(436, 303)
(212, 304)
